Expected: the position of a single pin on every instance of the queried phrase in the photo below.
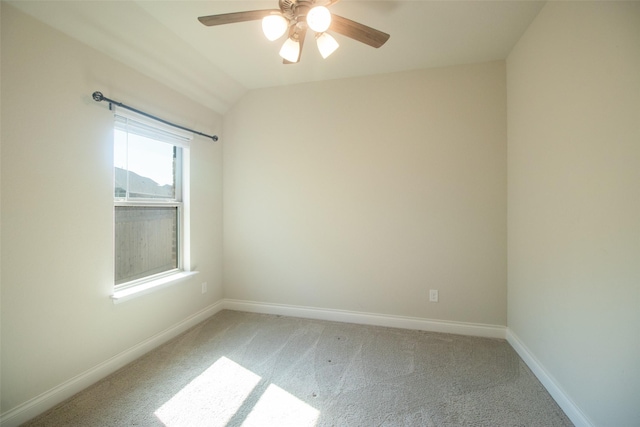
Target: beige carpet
(242, 369)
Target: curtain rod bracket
(98, 97)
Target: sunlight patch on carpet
(212, 398)
(276, 407)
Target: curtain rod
(98, 96)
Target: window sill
(150, 286)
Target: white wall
(574, 203)
(362, 194)
(58, 320)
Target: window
(149, 195)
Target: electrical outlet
(433, 295)
(204, 287)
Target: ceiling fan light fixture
(290, 50)
(319, 19)
(326, 44)
(274, 26)
(296, 18)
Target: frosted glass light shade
(326, 45)
(290, 50)
(274, 26)
(319, 19)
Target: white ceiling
(217, 65)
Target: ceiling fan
(295, 17)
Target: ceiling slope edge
(173, 62)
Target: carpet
(246, 369)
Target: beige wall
(356, 194)
(58, 320)
(574, 202)
(363, 194)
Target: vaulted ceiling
(217, 65)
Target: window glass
(144, 168)
(146, 241)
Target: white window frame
(137, 124)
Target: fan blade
(231, 18)
(357, 31)
(301, 36)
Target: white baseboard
(60, 393)
(416, 323)
(574, 413)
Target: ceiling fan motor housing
(296, 10)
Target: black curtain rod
(98, 96)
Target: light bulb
(326, 45)
(319, 19)
(274, 26)
(290, 50)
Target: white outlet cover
(433, 295)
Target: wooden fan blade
(357, 31)
(231, 18)
(301, 36)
